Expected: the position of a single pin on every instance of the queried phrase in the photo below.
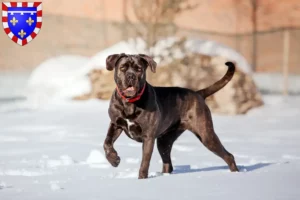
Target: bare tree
(156, 18)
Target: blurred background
(261, 36)
(55, 91)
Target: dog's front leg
(110, 152)
(148, 144)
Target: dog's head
(130, 71)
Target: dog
(146, 113)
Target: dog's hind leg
(164, 146)
(204, 131)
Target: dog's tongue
(130, 89)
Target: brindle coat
(162, 113)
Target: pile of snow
(65, 77)
(213, 48)
(58, 78)
(98, 61)
(54, 185)
(95, 157)
(162, 48)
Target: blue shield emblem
(22, 21)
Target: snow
(213, 48)
(56, 152)
(98, 61)
(162, 47)
(273, 82)
(57, 78)
(95, 157)
(12, 85)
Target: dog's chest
(133, 130)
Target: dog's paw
(167, 168)
(143, 175)
(113, 159)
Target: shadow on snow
(181, 169)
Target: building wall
(86, 27)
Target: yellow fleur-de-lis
(14, 21)
(29, 21)
(22, 33)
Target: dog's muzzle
(130, 78)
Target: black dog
(145, 112)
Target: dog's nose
(130, 76)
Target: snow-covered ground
(56, 152)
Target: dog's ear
(112, 60)
(150, 62)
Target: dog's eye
(123, 68)
(138, 69)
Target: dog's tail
(219, 84)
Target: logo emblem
(22, 21)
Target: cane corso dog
(146, 113)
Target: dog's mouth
(130, 91)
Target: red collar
(130, 100)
